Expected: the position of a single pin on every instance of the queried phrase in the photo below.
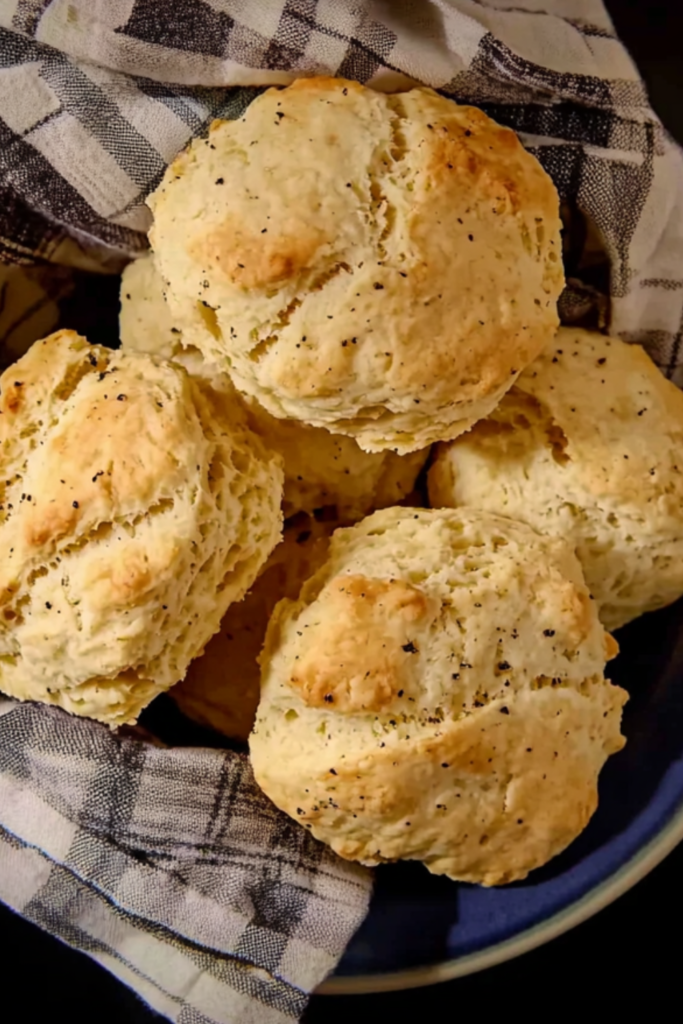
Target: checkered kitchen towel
(166, 864)
(170, 868)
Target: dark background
(626, 957)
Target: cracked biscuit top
(436, 692)
(588, 445)
(383, 266)
(134, 509)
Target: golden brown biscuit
(588, 446)
(383, 266)
(134, 510)
(222, 687)
(321, 468)
(437, 693)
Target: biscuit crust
(134, 510)
(380, 265)
(437, 693)
(586, 446)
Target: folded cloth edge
(145, 857)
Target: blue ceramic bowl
(422, 928)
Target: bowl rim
(600, 896)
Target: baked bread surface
(134, 510)
(588, 445)
(380, 265)
(437, 693)
(321, 469)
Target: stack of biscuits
(347, 490)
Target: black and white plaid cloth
(167, 865)
(170, 868)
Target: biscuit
(145, 321)
(588, 446)
(221, 689)
(134, 510)
(324, 469)
(380, 265)
(321, 469)
(436, 693)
